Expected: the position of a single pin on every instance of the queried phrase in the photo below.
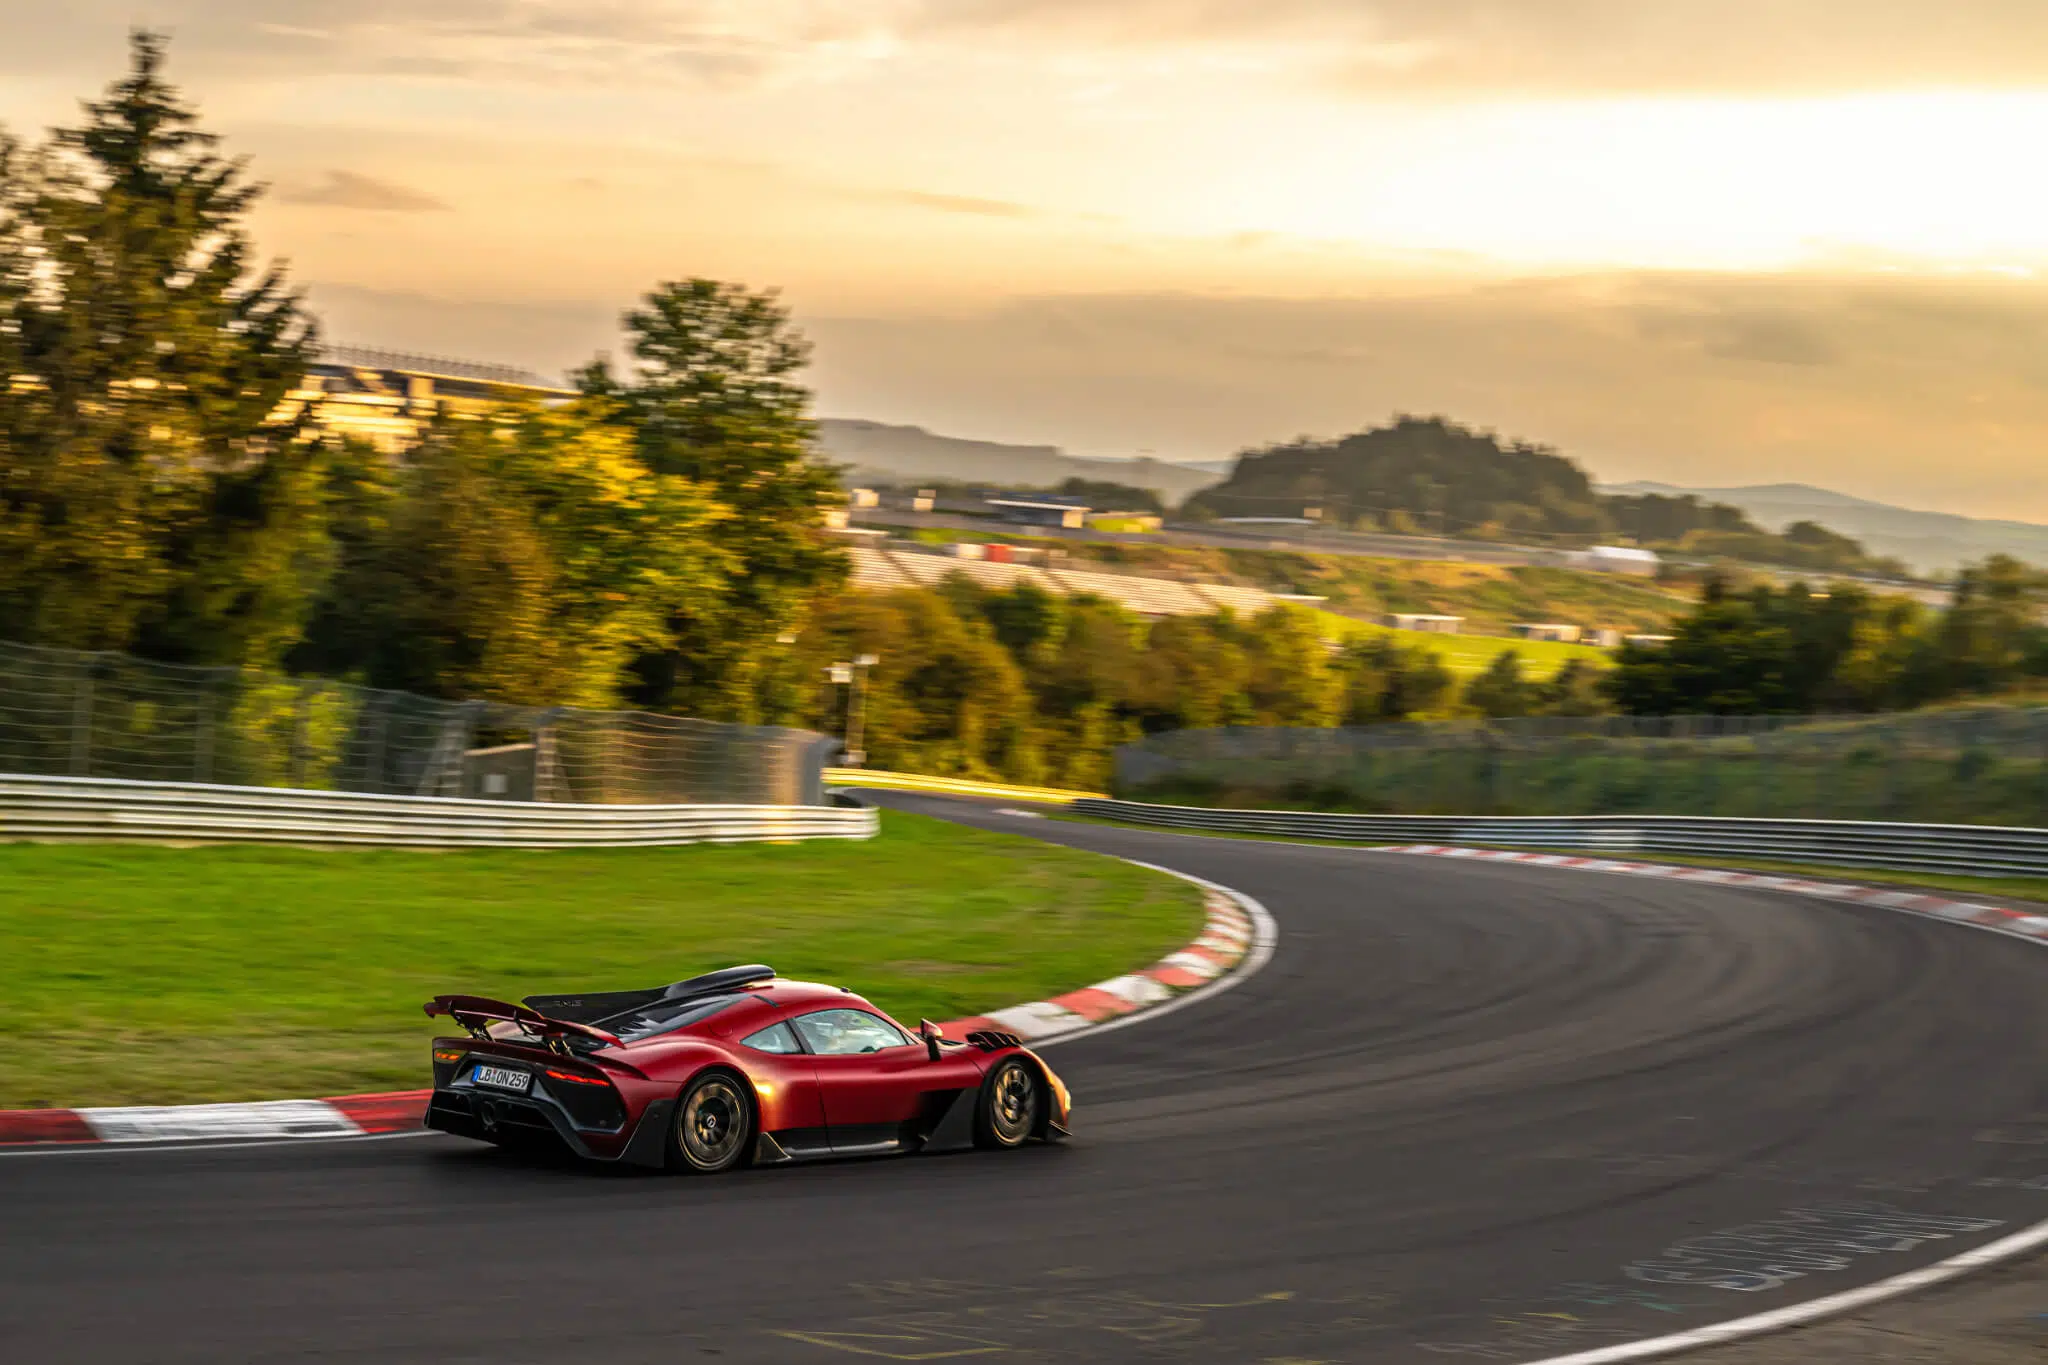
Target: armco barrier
(49, 808)
(951, 786)
(1965, 850)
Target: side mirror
(931, 1033)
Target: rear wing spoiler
(475, 1014)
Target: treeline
(656, 541)
(645, 545)
(1429, 476)
(1032, 687)
(1801, 649)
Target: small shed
(1618, 559)
(1423, 621)
(1556, 632)
(1046, 509)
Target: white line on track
(1801, 1314)
(203, 1145)
(1756, 1324)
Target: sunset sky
(1703, 241)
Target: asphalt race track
(1469, 1111)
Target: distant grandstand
(385, 396)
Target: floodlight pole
(855, 756)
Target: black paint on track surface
(1466, 1112)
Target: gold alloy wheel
(1015, 1103)
(713, 1124)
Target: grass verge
(136, 974)
(1467, 656)
(1994, 888)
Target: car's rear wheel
(714, 1124)
(1012, 1096)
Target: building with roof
(386, 397)
(1616, 559)
(1557, 632)
(1041, 509)
(1422, 621)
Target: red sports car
(732, 1067)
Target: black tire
(1012, 1100)
(713, 1129)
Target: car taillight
(575, 1077)
(450, 1055)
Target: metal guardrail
(67, 713)
(64, 808)
(1964, 850)
(952, 786)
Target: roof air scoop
(723, 980)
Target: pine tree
(147, 499)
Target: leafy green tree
(713, 396)
(148, 500)
(1992, 625)
(944, 697)
(1795, 650)
(530, 559)
(1288, 679)
(633, 548)
(1385, 680)
(1026, 618)
(456, 595)
(1501, 691)
(1574, 690)
(1084, 685)
(1192, 675)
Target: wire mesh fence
(1972, 765)
(72, 713)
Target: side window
(774, 1038)
(841, 1033)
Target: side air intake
(993, 1040)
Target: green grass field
(1487, 595)
(139, 975)
(1469, 655)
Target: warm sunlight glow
(1940, 178)
(1804, 243)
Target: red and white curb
(1237, 938)
(2000, 919)
(1237, 931)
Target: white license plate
(503, 1077)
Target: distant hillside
(1929, 541)
(1428, 474)
(1416, 475)
(891, 453)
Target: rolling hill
(879, 451)
(1929, 541)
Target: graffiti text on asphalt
(1798, 1242)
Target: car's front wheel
(714, 1124)
(1011, 1098)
